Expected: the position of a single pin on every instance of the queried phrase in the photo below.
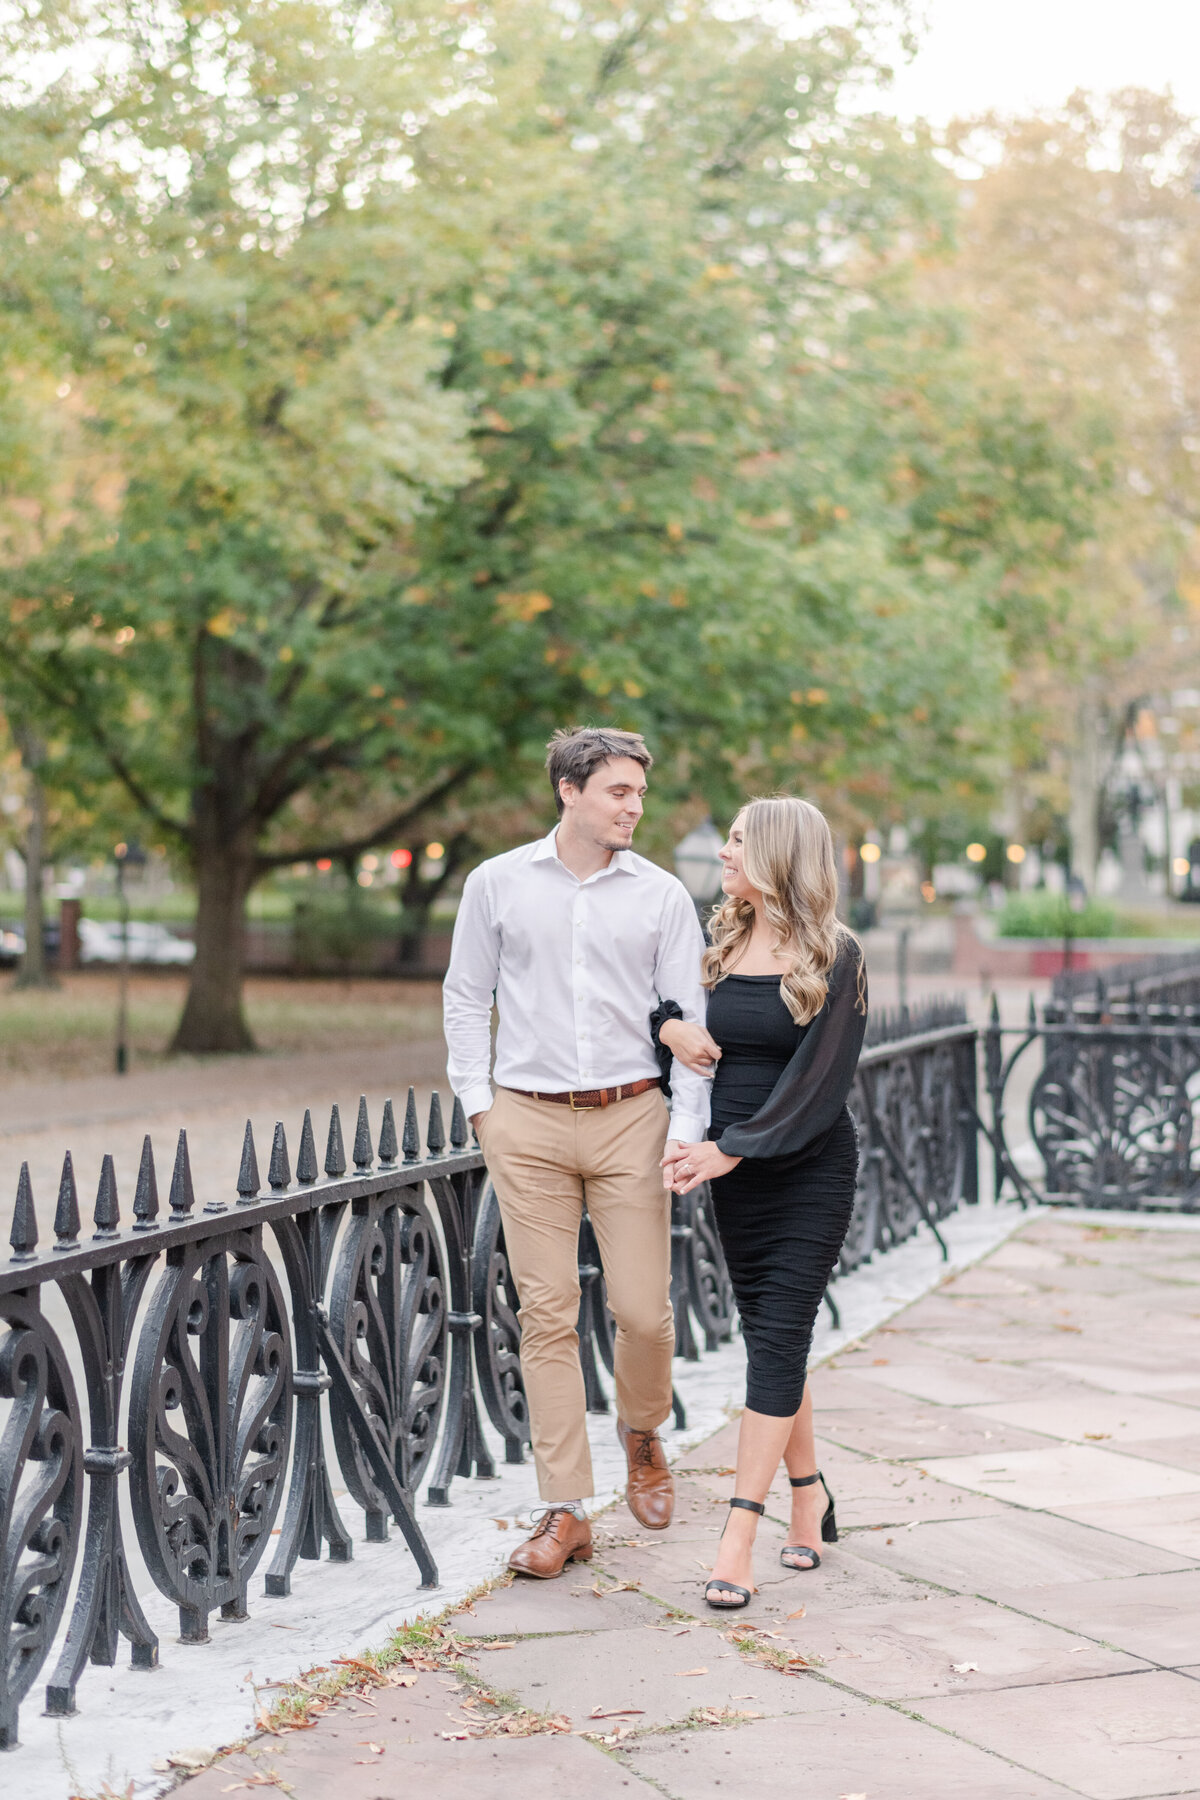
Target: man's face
(606, 810)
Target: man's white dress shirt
(576, 968)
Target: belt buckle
(571, 1101)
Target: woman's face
(734, 882)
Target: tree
(444, 376)
(1079, 266)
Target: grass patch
(68, 1031)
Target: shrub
(1041, 914)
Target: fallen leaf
(801, 1610)
(401, 1678)
(965, 1668)
(499, 1644)
(879, 1362)
(375, 1749)
(691, 1671)
(1079, 1650)
(615, 1712)
(456, 1736)
(1097, 1435)
(501, 1524)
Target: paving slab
(1083, 1413)
(1129, 1378)
(963, 1381)
(665, 1675)
(568, 1604)
(1170, 1521)
(913, 1432)
(861, 1749)
(1152, 1616)
(1066, 1475)
(1120, 1739)
(934, 1643)
(535, 1768)
(1029, 1549)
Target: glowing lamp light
(401, 859)
(324, 863)
(435, 852)
(870, 853)
(928, 891)
(365, 879)
(1181, 866)
(976, 853)
(1015, 853)
(370, 863)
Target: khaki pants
(546, 1160)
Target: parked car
(12, 942)
(100, 942)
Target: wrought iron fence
(214, 1343)
(1112, 1110)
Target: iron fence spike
(458, 1126)
(1032, 1010)
(306, 1161)
(335, 1150)
(364, 1155)
(107, 1214)
(435, 1137)
(145, 1197)
(182, 1196)
(24, 1234)
(66, 1213)
(388, 1146)
(412, 1130)
(248, 1181)
(279, 1174)
(994, 1010)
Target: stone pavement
(1013, 1611)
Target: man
(577, 938)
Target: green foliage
(430, 386)
(1040, 914)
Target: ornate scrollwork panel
(388, 1317)
(707, 1290)
(41, 1496)
(1112, 1113)
(210, 1424)
(498, 1341)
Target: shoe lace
(645, 1444)
(543, 1522)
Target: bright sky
(1012, 55)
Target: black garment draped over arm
(812, 1090)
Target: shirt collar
(623, 861)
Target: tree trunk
(213, 1018)
(1084, 813)
(33, 972)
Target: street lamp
(126, 856)
(698, 863)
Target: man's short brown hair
(575, 755)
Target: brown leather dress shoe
(650, 1490)
(559, 1537)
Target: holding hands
(687, 1166)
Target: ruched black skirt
(782, 1224)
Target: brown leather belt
(590, 1099)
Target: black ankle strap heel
(829, 1531)
(741, 1595)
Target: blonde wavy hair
(788, 855)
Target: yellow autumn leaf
(523, 606)
(224, 623)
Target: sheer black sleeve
(666, 1009)
(814, 1087)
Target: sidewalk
(1013, 1611)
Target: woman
(786, 1016)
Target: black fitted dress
(779, 1102)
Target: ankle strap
(750, 1505)
(805, 1480)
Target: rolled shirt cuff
(477, 1099)
(687, 1128)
